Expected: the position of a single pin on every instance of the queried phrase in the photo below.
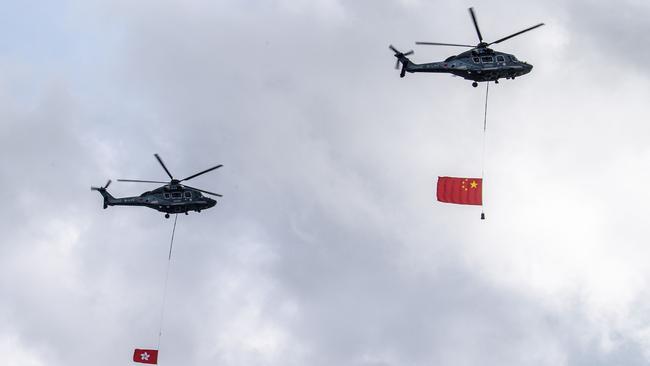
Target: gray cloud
(328, 247)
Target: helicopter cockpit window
(513, 58)
(487, 59)
(476, 60)
(501, 59)
(177, 195)
(166, 195)
(187, 194)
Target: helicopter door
(501, 60)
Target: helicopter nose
(528, 68)
(212, 202)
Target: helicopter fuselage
(167, 199)
(476, 65)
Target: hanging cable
(164, 298)
(487, 92)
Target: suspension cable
(164, 298)
(487, 92)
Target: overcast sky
(328, 247)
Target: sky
(328, 247)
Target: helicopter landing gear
(166, 215)
(496, 81)
(186, 213)
(475, 84)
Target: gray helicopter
(173, 197)
(478, 64)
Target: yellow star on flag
(473, 184)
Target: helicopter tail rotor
(401, 58)
(107, 196)
(101, 188)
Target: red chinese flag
(146, 356)
(463, 191)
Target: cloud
(328, 247)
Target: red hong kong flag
(463, 191)
(145, 356)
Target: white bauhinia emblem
(144, 356)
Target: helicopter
(173, 197)
(481, 63)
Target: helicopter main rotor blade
(107, 184)
(163, 165)
(444, 44)
(518, 33)
(201, 190)
(140, 181)
(203, 172)
(478, 31)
